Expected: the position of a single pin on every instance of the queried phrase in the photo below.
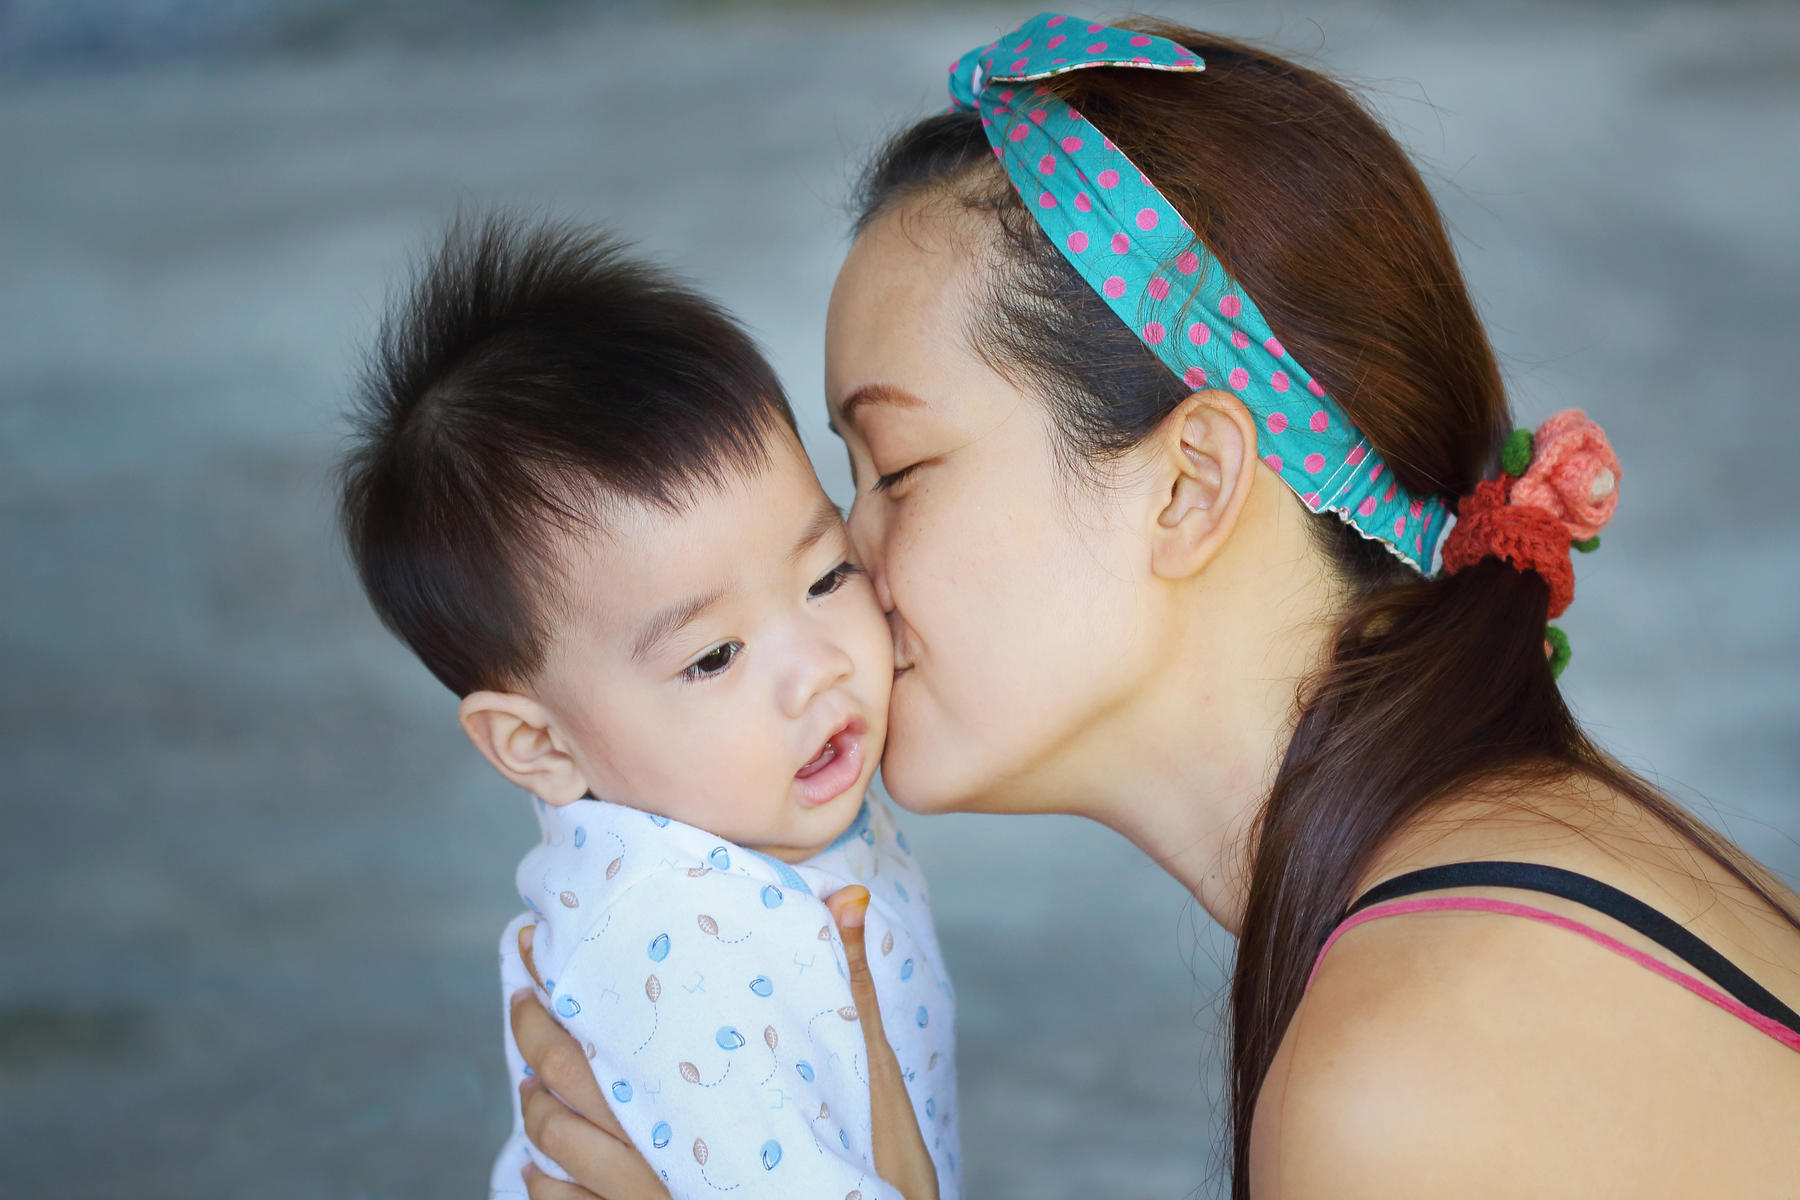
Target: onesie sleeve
(716, 1012)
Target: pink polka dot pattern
(1160, 277)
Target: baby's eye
(713, 662)
(833, 579)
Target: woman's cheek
(963, 717)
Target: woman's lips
(835, 769)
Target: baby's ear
(515, 733)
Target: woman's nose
(869, 544)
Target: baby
(577, 492)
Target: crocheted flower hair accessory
(1557, 491)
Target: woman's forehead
(899, 314)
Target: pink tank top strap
(1737, 993)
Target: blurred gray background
(252, 875)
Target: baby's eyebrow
(672, 620)
(826, 518)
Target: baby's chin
(812, 836)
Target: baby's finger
(559, 1061)
(594, 1157)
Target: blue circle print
(621, 1090)
(804, 1070)
(580, 837)
(761, 985)
(659, 947)
(771, 1154)
(901, 888)
(719, 859)
(730, 1039)
(567, 1006)
(844, 1138)
(660, 1133)
(922, 1016)
(931, 1106)
(905, 846)
(906, 969)
(658, 820)
(772, 897)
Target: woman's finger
(540, 1186)
(604, 1165)
(900, 1154)
(558, 1059)
(526, 934)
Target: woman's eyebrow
(873, 393)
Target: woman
(1114, 592)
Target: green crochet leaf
(1515, 456)
(1559, 650)
(1588, 546)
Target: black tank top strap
(1591, 893)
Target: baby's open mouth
(826, 754)
(836, 766)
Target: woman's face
(1015, 596)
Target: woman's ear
(1203, 457)
(516, 734)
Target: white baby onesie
(708, 985)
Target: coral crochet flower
(1574, 474)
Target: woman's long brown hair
(1433, 686)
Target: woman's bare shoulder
(1473, 1054)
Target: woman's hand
(566, 1116)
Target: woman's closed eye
(887, 481)
(713, 663)
(833, 579)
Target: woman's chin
(924, 788)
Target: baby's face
(726, 666)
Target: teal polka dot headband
(1155, 273)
